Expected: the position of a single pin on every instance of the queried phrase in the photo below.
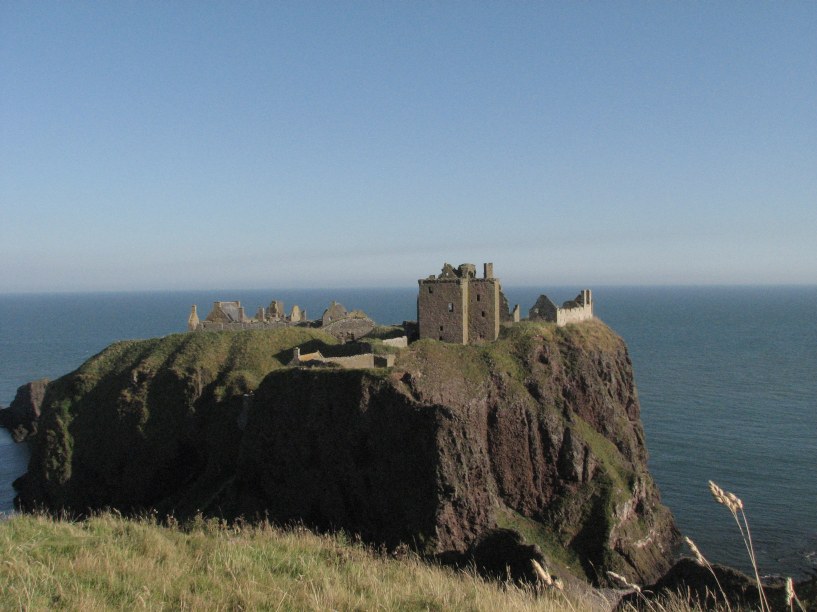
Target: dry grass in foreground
(108, 562)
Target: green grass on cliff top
(108, 562)
(240, 357)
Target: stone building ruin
(231, 316)
(573, 311)
(456, 306)
(348, 362)
(344, 325)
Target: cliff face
(22, 416)
(538, 432)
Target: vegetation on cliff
(538, 431)
(125, 429)
(108, 562)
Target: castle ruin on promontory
(456, 306)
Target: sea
(727, 378)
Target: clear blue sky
(157, 145)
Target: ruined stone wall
(234, 326)
(400, 342)
(573, 311)
(484, 307)
(442, 310)
(575, 314)
(350, 362)
(335, 312)
(353, 361)
(349, 328)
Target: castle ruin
(456, 306)
(573, 311)
(231, 316)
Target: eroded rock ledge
(22, 416)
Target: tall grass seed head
(699, 558)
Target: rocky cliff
(537, 432)
(22, 416)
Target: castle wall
(442, 309)
(543, 310)
(236, 326)
(458, 307)
(483, 310)
(574, 311)
(353, 361)
(350, 362)
(400, 342)
(349, 328)
(576, 314)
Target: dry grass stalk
(624, 582)
(651, 604)
(734, 504)
(702, 561)
(791, 596)
(541, 574)
(699, 558)
(549, 581)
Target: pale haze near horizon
(252, 145)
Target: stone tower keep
(458, 307)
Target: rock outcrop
(21, 417)
(538, 432)
(740, 591)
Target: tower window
(450, 307)
(441, 327)
(483, 313)
(479, 297)
(430, 289)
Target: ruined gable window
(450, 307)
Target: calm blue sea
(727, 379)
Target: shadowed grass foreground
(108, 562)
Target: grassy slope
(108, 562)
